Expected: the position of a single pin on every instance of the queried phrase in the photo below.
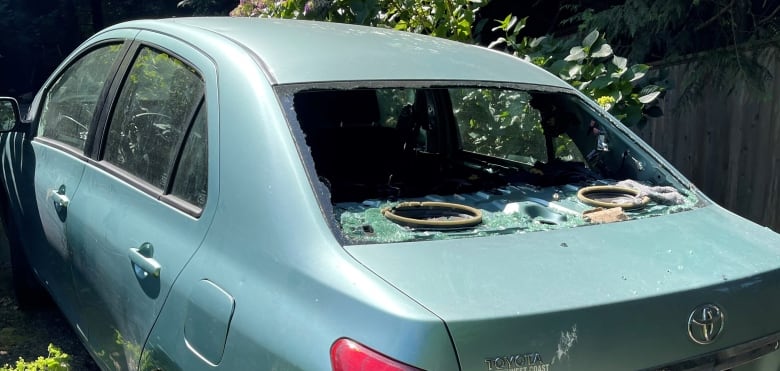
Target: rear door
(141, 210)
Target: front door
(55, 162)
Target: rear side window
(155, 107)
(505, 124)
(69, 104)
(191, 181)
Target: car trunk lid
(614, 296)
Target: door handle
(61, 201)
(142, 258)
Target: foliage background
(38, 35)
(589, 63)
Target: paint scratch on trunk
(565, 344)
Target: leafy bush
(342, 11)
(57, 360)
(589, 65)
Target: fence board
(727, 144)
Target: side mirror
(10, 118)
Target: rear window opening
(519, 157)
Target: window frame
(99, 140)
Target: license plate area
(728, 358)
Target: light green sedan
(254, 194)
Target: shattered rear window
(398, 164)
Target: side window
(498, 123)
(152, 114)
(391, 104)
(396, 110)
(505, 124)
(191, 180)
(70, 102)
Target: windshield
(402, 164)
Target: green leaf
(512, 22)
(603, 51)
(519, 26)
(650, 89)
(620, 62)
(645, 99)
(505, 24)
(535, 42)
(590, 39)
(574, 71)
(496, 42)
(576, 53)
(638, 71)
(618, 95)
(591, 71)
(633, 115)
(617, 74)
(558, 66)
(601, 83)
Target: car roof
(307, 51)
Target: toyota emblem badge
(705, 323)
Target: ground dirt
(27, 334)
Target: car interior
(477, 146)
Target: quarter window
(191, 180)
(69, 105)
(154, 109)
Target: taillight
(348, 355)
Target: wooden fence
(728, 145)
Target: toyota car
(256, 194)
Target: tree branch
(770, 16)
(715, 17)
